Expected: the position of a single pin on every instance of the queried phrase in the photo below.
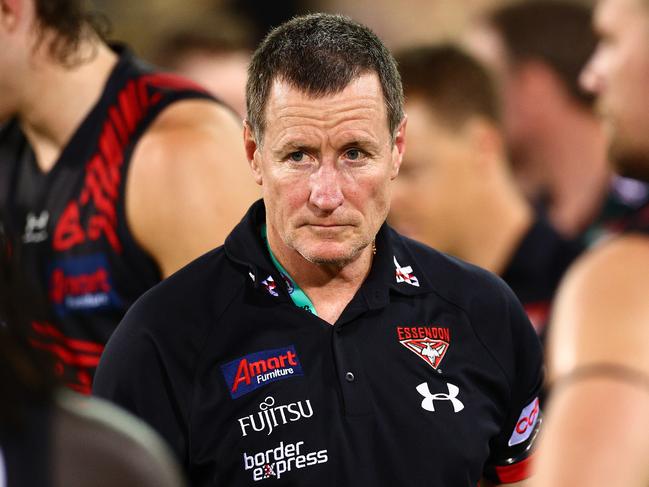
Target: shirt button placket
(356, 394)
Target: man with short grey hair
(318, 346)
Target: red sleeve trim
(516, 472)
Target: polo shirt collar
(394, 268)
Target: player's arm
(516, 346)
(597, 421)
(189, 183)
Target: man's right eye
(297, 156)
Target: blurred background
(145, 24)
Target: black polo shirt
(429, 376)
(536, 268)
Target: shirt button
(349, 377)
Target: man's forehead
(611, 14)
(360, 104)
(364, 90)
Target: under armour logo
(429, 399)
(36, 227)
(404, 274)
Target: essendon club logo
(429, 343)
(255, 370)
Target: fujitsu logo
(271, 416)
(429, 399)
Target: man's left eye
(297, 156)
(353, 154)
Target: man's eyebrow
(291, 146)
(361, 142)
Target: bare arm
(596, 425)
(189, 183)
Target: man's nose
(590, 77)
(326, 188)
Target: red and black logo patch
(429, 343)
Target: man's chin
(339, 259)
(331, 254)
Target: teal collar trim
(299, 298)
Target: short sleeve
(511, 449)
(140, 374)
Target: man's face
(436, 187)
(618, 73)
(326, 166)
(518, 104)
(17, 38)
(224, 75)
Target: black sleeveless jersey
(625, 207)
(536, 268)
(68, 226)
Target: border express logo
(255, 370)
(429, 343)
(275, 462)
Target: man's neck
(58, 98)
(573, 150)
(330, 287)
(503, 220)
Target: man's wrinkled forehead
(363, 93)
(611, 14)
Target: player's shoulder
(185, 145)
(185, 302)
(189, 125)
(452, 278)
(490, 307)
(195, 113)
(602, 308)
(617, 269)
(206, 272)
(626, 256)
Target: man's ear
(252, 151)
(486, 142)
(399, 147)
(11, 12)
